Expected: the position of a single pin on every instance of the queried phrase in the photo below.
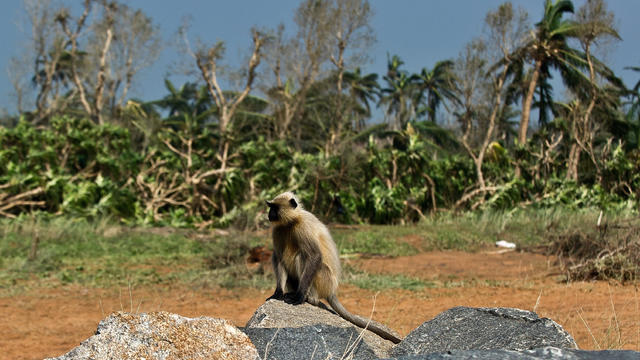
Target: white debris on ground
(505, 244)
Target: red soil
(49, 322)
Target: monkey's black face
(273, 212)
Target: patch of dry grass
(602, 251)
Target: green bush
(81, 168)
(78, 168)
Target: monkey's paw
(278, 295)
(294, 298)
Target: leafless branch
(8, 202)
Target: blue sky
(421, 32)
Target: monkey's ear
(293, 203)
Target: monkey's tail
(358, 321)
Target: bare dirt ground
(46, 323)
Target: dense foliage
(78, 168)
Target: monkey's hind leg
(324, 284)
(310, 268)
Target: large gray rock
(275, 314)
(310, 342)
(161, 335)
(464, 328)
(547, 353)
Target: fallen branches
(165, 182)
(8, 202)
(471, 194)
(157, 187)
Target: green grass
(379, 282)
(465, 232)
(102, 254)
(524, 227)
(374, 240)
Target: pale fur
(307, 228)
(297, 228)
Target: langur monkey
(305, 260)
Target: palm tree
(506, 124)
(633, 115)
(544, 101)
(634, 110)
(189, 107)
(437, 84)
(363, 89)
(549, 49)
(398, 95)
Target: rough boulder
(465, 328)
(284, 331)
(161, 335)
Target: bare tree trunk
(93, 109)
(207, 63)
(99, 89)
(73, 40)
(337, 128)
(127, 84)
(479, 158)
(574, 160)
(583, 129)
(43, 107)
(293, 104)
(499, 32)
(526, 111)
(526, 104)
(432, 193)
(223, 168)
(46, 102)
(589, 129)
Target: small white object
(505, 244)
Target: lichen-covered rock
(464, 328)
(310, 342)
(546, 353)
(275, 314)
(161, 335)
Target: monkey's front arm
(281, 278)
